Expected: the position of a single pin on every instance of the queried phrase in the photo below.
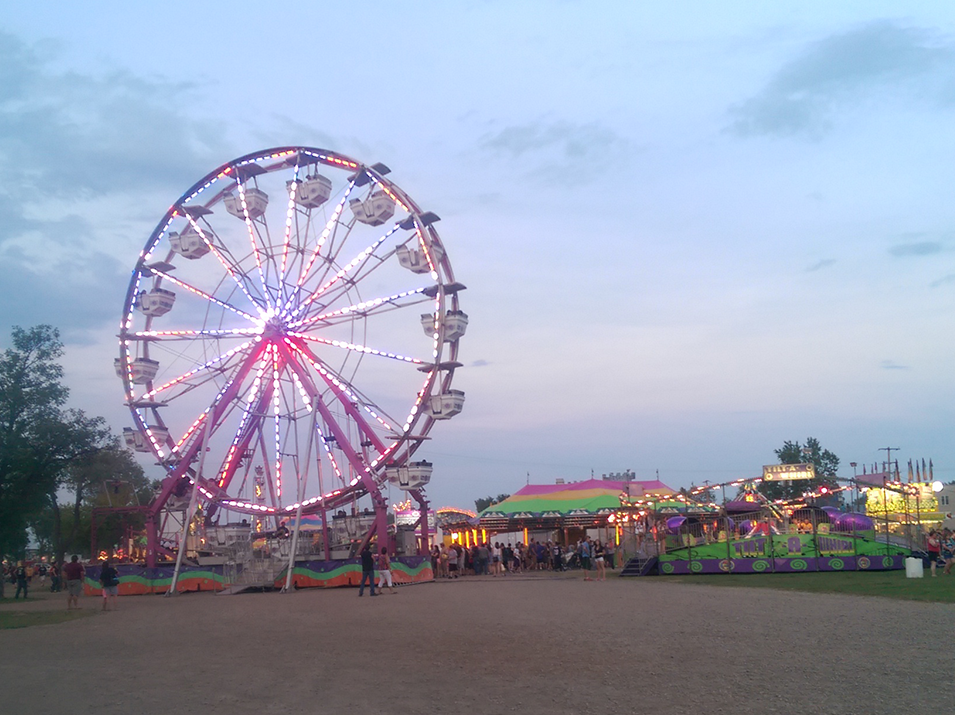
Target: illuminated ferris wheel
(294, 318)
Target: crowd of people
(26, 574)
(499, 559)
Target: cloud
(924, 248)
(944, 280)
(559, 151)
(840, 70)
(73, 146)
(890, 365)
(820, 264)
(479, 363)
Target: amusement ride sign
(788, 472)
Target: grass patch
(25, 619)
(889, 584)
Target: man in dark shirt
(21, 576)
(367, 571)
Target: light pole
(855, 483)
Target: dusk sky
(689, 231)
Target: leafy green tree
(31, 397)
(484, 502)
(107, 477)
(39, 438)
(826, 466)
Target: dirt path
(506, 645)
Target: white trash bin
(913, 568)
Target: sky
(689, 231)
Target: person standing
(452, 562)
(948, 550)
(481, 559)
(109, 580)
(367, 571)
(21, 578)
(55, 578)
(384, 570)
(585, 557)
(73, 572)
(599, 561)
(933, 546)
(610, 551)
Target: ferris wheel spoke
(338, 433)
(363, 349)
(202, 294)
(255, 400)
(355, 263)
(250, 226)
(287, 239)
(197, 370)
(231, 267)
(165, 336)
(329, 227)
(204, 415)
(343, 394)
(365, 309)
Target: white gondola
(415, 260)
(256, 202)
(313, 192)
(188, 244)
(453, 327)
(413, 475)
(374, 210)
(156, 302)
(142, 370)
(427, 323)
(135, 440)
(445, 405)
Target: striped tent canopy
(552, 505)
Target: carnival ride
(289, 339)
(751, 533)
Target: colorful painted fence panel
(782, 553)
(137, 580)
(331, 574)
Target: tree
(825, 462)
(107, 476)
(31, 397)
(39, 439)
(485, 502)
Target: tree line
(56, 463)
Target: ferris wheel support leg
(152, 539)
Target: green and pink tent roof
(592, 496)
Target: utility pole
(888, 456)
(885, 491)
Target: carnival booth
(564, 512)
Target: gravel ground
(533, 644)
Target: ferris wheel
(293, 313)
